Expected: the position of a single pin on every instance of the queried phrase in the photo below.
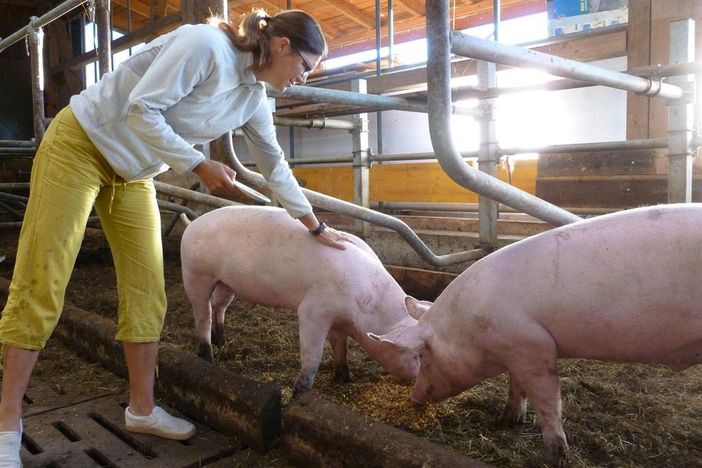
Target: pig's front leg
(221, 297)
(339, 345)
(515, 409)
(314, 325)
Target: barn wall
(15, 74)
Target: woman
(186, 87)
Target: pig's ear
(413, 337)
(417, 308)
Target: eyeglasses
(306, 65)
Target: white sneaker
(10, 444)
(159, 423)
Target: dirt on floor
(614, 415)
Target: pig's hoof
(300, 390)
(205, 352)
(343, 375)
(557, 453)
(510, 418)
(218, 335)
(302, 385)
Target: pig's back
(269, 257)
(624, 286)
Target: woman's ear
(279, 44)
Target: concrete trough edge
(319, 433)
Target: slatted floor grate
(91, 433)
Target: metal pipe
(104, 36)
(339, 206)
(555, 85)
(36, 36)
(377, 39)
(173, 221)
(439, 94)
(361, 151)
(291, 139)
(681, 116)
(470, 207)
(354, 99)
(322, 95)
(129, 21)
(416, 156)
(20, 150)
(40, 22)
(315, 122)
(177, 208)
(18, 144)
(307, 161)
(197, 197)
(496, 20)
(331, 79)
(391, 32)
(488, 157)
(654, 143)
(9, 186)
(17, 214)
(14, 198)
(481, 49)
(161, 187)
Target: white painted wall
(529, 119)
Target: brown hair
(257, 28)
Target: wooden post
(198, 11)
(638, 54)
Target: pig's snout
(408, 368)
(421, 393)
(418, 400)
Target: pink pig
(263, 255)
(621, 287)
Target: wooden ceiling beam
(414, 28)
(352, 12)
(158, 9)
(140, 8)
(416, 6)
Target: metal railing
(441, 43)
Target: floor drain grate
(91, 433)
(67, 432)
(100, 458)
(123, 435)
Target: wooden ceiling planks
(360, 16)
(144, 12)
(417, 7)
(349, 25)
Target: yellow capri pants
(69, 177)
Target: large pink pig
(622, 287)
(263, 255)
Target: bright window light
(514, 31)
(91, 42)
